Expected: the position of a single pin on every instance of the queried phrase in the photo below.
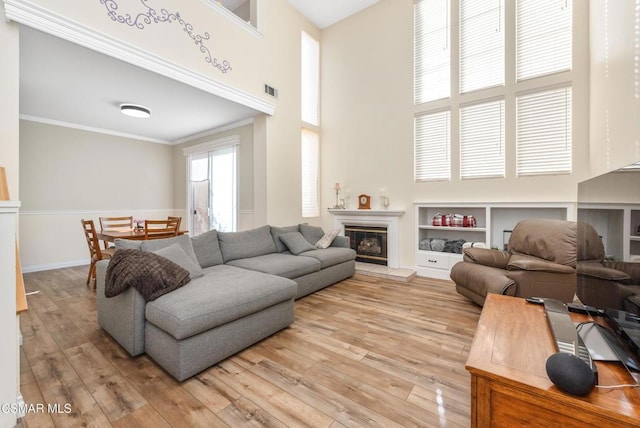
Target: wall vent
(270, 90)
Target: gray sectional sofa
(242, 289)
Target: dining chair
(179, 219)
(95, 252)
(156, 229)
(114, 223)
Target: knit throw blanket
(152, 275)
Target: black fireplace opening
(369, 243)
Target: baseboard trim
(50, 266)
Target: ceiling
(69, 85)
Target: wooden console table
(509, 383)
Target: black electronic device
(627, 326)
(584, 309)
(568, 374)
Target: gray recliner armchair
(541, 261)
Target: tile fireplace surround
(376, 218)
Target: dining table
(110, 235)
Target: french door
(213, 190)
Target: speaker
(570, 374)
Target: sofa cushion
(277, 231)
(176, 254)
(128, 244)
(296, 243)
(207, 249)
(311, 233)
(183, 240)
(250, 243)
(331, 256)
(224, 294)
(285, 265)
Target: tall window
(527, 114)
(310, 169)
(310, 139)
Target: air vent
(270, 90)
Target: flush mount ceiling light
(134, 110)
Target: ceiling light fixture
(134, 110)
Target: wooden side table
(509, 383)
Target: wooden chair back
(115, 222)
(178, 219)
(95, 252)
(157, 229)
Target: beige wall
(367, 123)
(613, 187)
(68, 174)
(615, 84)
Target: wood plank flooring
(364, 352)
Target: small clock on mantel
(364, 202)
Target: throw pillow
(277, 231)
(176, 254)
(183, 240)
(311, 233)
(207, 249)
(296, 243)
(327, 239)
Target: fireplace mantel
(385, 218)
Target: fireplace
(369, 243)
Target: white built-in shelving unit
(618, 225)
(493, 223)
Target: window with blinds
(310, 78)
(432, 146)
(432, 54)
(482, 140)
(310, 154)
(543, 37)
(544, 132)
(481, 44)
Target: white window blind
(310, 78)
(544, 132)
(543, 42)
(432, 147)
(432, 55)
(482, 140)
(481, 44)
(310, 150)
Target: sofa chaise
(242, 289)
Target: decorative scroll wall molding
(150, 16)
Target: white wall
(68, 174)
(367, 123)
(615, 84)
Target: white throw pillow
(327, 239)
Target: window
(544, 132)
(432, 146)
(482, 140)
(310, 139)
(432, 55)
(543, 43)
(481, 44)
(310, 78)
(500, 96)
(310, 169)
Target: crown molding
(32, 15)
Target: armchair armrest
(528, 263)
(487, 257)
(629, 268)
(599, 271)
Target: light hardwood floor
(364, 352)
